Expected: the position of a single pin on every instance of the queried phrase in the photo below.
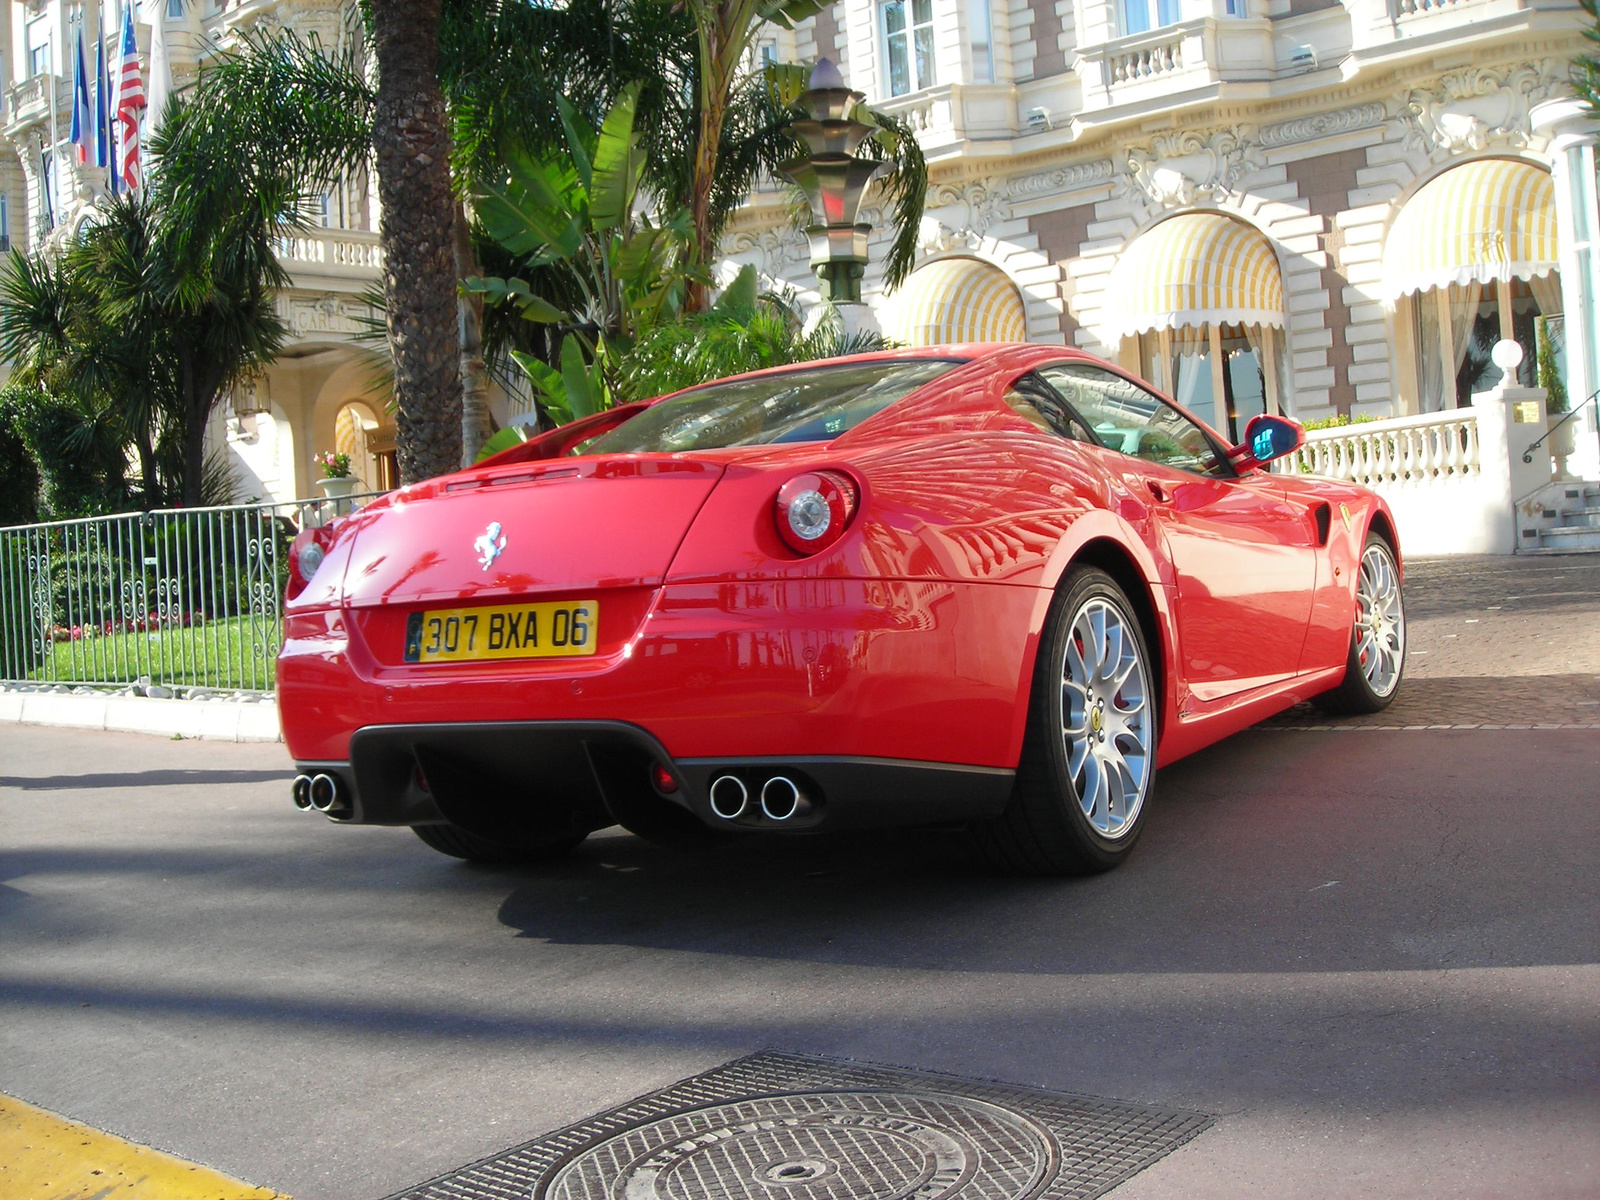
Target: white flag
(160, 68)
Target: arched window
(954, 300)
(1202, 294)
(1472, 255)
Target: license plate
(557, 629)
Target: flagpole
(50, 169)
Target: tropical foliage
(519, 82)
(137, 326)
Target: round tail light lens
(814, 508)
(306, 553)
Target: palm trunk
(475, 421)
(714, 87)
(412, 142)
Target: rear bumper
(514, 778)
(926, 671)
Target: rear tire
(460, 843)
(1377, 660)
(1088, 757)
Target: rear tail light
(306, 553)
(814, 508)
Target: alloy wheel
(1380, 620)
(1105, 720)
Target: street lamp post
(834, 181)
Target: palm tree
(710, 129)
(142, 324)
(411, 140)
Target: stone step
(1570, 537)
(1552, 551)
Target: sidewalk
(216, 719)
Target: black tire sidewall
(1087, 583)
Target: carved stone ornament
(328, 313)
(969, 211)
(1188, 167)
(777, 251)
(1326, 124)
(1479, 108)
(1062, 179)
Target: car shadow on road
(1274, 851)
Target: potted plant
(337, 483)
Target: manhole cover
(787, 1127)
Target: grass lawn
(235, 654)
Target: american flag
(130, 101)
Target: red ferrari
(995, 585)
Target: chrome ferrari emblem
(1344, 512)
(490, 545)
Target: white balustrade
(352, 248)
(1145, 62)
(1406, 8)
(1429, 449)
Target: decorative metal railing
(176, 599)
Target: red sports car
(997, 585)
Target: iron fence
(177, 599)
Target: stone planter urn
(338, 490)
(1563, 441)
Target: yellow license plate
(558, 629)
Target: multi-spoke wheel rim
(1106, 724)
(1380, 621)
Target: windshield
(807, 405)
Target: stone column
(1573, 133)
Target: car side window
(1131, 420)
(1036, 402)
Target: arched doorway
(1203, 296)
(358, 432)
(1472, 256)
(954, 300)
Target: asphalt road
(1372, 954)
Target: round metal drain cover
(864, 1145)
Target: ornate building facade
(326, 392)
(1309, 206)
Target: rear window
(808, 405)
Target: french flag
(82, 118)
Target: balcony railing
(30, 100)
(1423, 450)
(355, 249)
(1152, 55)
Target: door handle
(1158, 491)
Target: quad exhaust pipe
(324, 792)
(779, 799)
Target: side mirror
(1266, 438)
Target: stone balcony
(947, 116)
(1155, 69)
(1387, 31)
(28, 102)
(331, 272)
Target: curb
(213, 720)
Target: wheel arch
(1112, 557)
(1382, 524)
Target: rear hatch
(602, 529)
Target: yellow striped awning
(1492, 219)
(954, 300)
(1194, 269)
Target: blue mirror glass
(1267, 438)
